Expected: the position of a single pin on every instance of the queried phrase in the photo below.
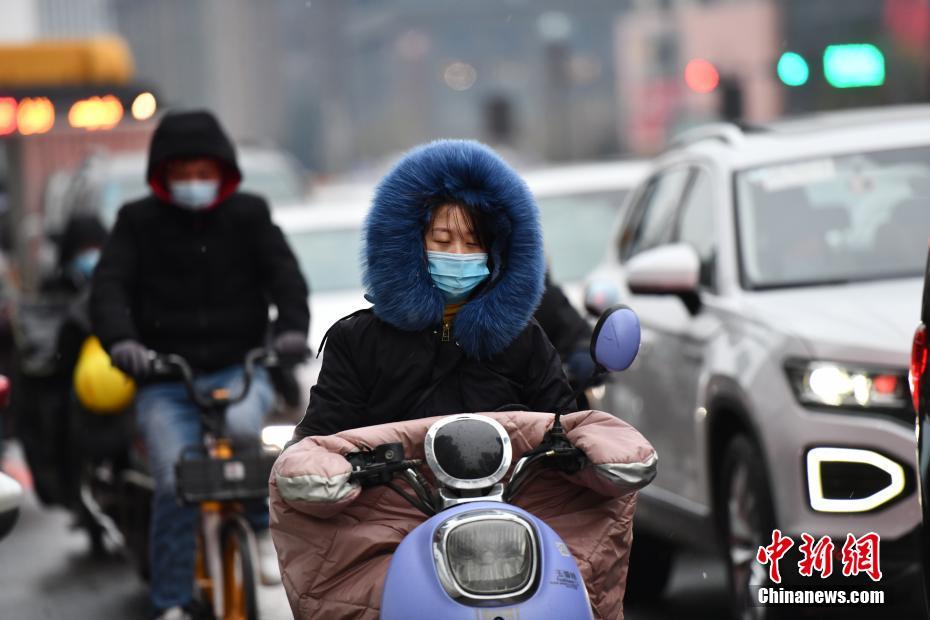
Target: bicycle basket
(242, 477)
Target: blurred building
(898, 29)
(374, 78)
(219, 54)
(683, 62)
(74, 18)
(25, 20)
(19, 21)
(348, 84)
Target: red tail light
(4, 392)
(918, 363)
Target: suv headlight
(486, 554)
(828, 384)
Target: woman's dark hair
(479, 220)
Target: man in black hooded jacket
(190, 270)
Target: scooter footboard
(484, 560)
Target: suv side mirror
(672, 269)
(616, 338)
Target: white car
(327, 241)
(777, 275)
(108, 180)
(579, 207)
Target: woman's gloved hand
(131, 357)
(291, 344)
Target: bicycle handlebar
(163, 364)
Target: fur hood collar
(396, 275)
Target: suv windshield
(834, 219)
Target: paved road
(47, 573)
(697, 591)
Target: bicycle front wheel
(240, 598)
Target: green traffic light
(792, 69)
(854, 65)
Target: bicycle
(219, 478)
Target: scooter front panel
(413, 589)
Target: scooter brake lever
(378, 466)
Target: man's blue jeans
(170, 422)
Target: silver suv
(777, 273)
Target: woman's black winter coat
(375, 373)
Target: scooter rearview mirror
(616, 338)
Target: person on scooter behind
(570, 334)
(191, 270)
(454, 267)
(41, 399)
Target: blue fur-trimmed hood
(396, 274)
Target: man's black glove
(131, 357)
(291, 344)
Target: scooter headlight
(486, 554)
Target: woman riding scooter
(454, 268)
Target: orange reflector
(35, 115)
(7, 116)
(96, 113)
(220, 394)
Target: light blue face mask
(457, 275)
(84, 262)
(194, 195)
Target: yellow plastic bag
(100, 386)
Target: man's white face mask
(194, 195)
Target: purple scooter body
(413, 590)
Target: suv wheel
(651, 562)
(748, 520)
